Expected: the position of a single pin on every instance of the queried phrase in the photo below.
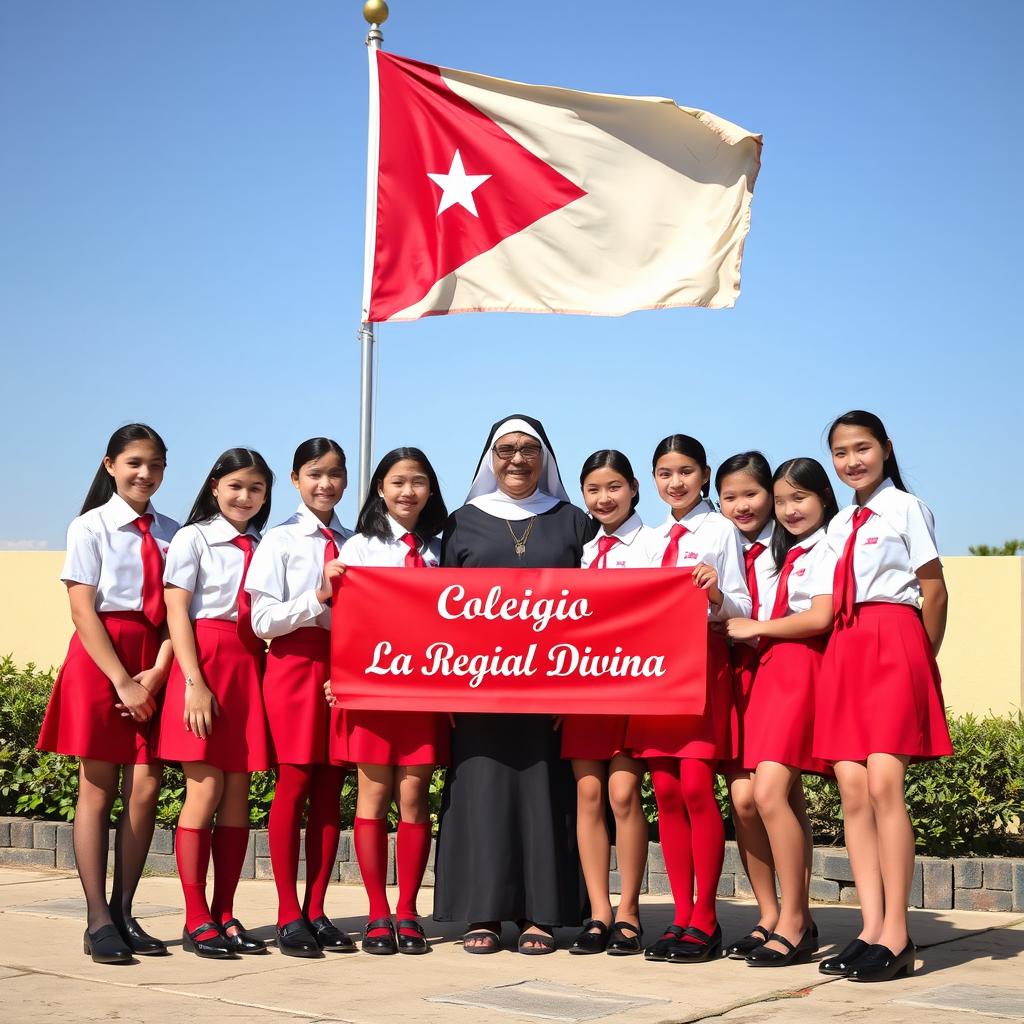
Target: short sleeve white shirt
(636, 543)
(286, 572)
(203, 560)
(371, 551)
(713, 540)
(891, 545)
(104, 550)
(812, 574)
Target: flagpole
(375, 12)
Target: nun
(507, 841)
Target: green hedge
(970, 803)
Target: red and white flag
(491, 195)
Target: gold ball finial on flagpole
(375, 12)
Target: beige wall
(982, 659)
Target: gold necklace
(521, 541)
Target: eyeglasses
(507, 452)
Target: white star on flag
(457, 187)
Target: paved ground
(968, 963)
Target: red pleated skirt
(879, 691)
(707, 737)
(779, 720)
(594, 737)
(81, 720)
(392, 737)
(744, 659)
(239, 740)
(302, 726)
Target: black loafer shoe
(839, 966)
(588, 942)
(880, 963)
(659, 950)
(741, 948)
(380, 945)
(214, 947)
(625, 939)
(138, 941)
(106, 946)
(707, 947)
(416, 944)
(328, 937)
(801, 953)
(295, 939)
(242, 941)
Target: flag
(491, 195)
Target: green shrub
(970, 803)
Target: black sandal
(380, 945)
(546, 942)
(621, 944)
(588, 941)
(758, 936)
(493, 944)
(413, 944)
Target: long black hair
(808, 475)
(611, 458)
(373, 516)
(103, 487)
(205, 506)
(316, 448)
(752, 463)
(870, 422)
(683, 444)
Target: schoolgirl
(395, 751)
(744, 486)
(682, 752)
(596, 743)
(779, 723)
(213, 720)
(107, 690)
(289, 582)
(880, 698)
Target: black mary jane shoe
(414, 945)
(295, 939)
(380, 945)
(139, 941)
(214, 947)
(800, 953)
(659, 950)
(106, 946)
(330, 937)
(880, 963)
(242, 942)
(622, 944)
(588, 941)
(840, 965)
(742, 948)
(706, 947)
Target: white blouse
(104, 551)
(890, 547)
(362, 550)
(811, 577)
(203, 560)
(286, 572)
(634, 550)
(713, 540)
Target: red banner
(551, 641)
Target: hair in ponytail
(870, 422)
(316, 448)
(683, 444)
(808, 475)
(610, 458)
(103, 488)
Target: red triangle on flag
(451, 184)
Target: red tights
(370, 838)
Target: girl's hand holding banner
(545, 641)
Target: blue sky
(181, 221)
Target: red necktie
(671, 556)
(152, 573)
(749, 558)
(245, 632)
(844, 583)
(604, 545)
(331, 551)
(781, 605)
(413, 558)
